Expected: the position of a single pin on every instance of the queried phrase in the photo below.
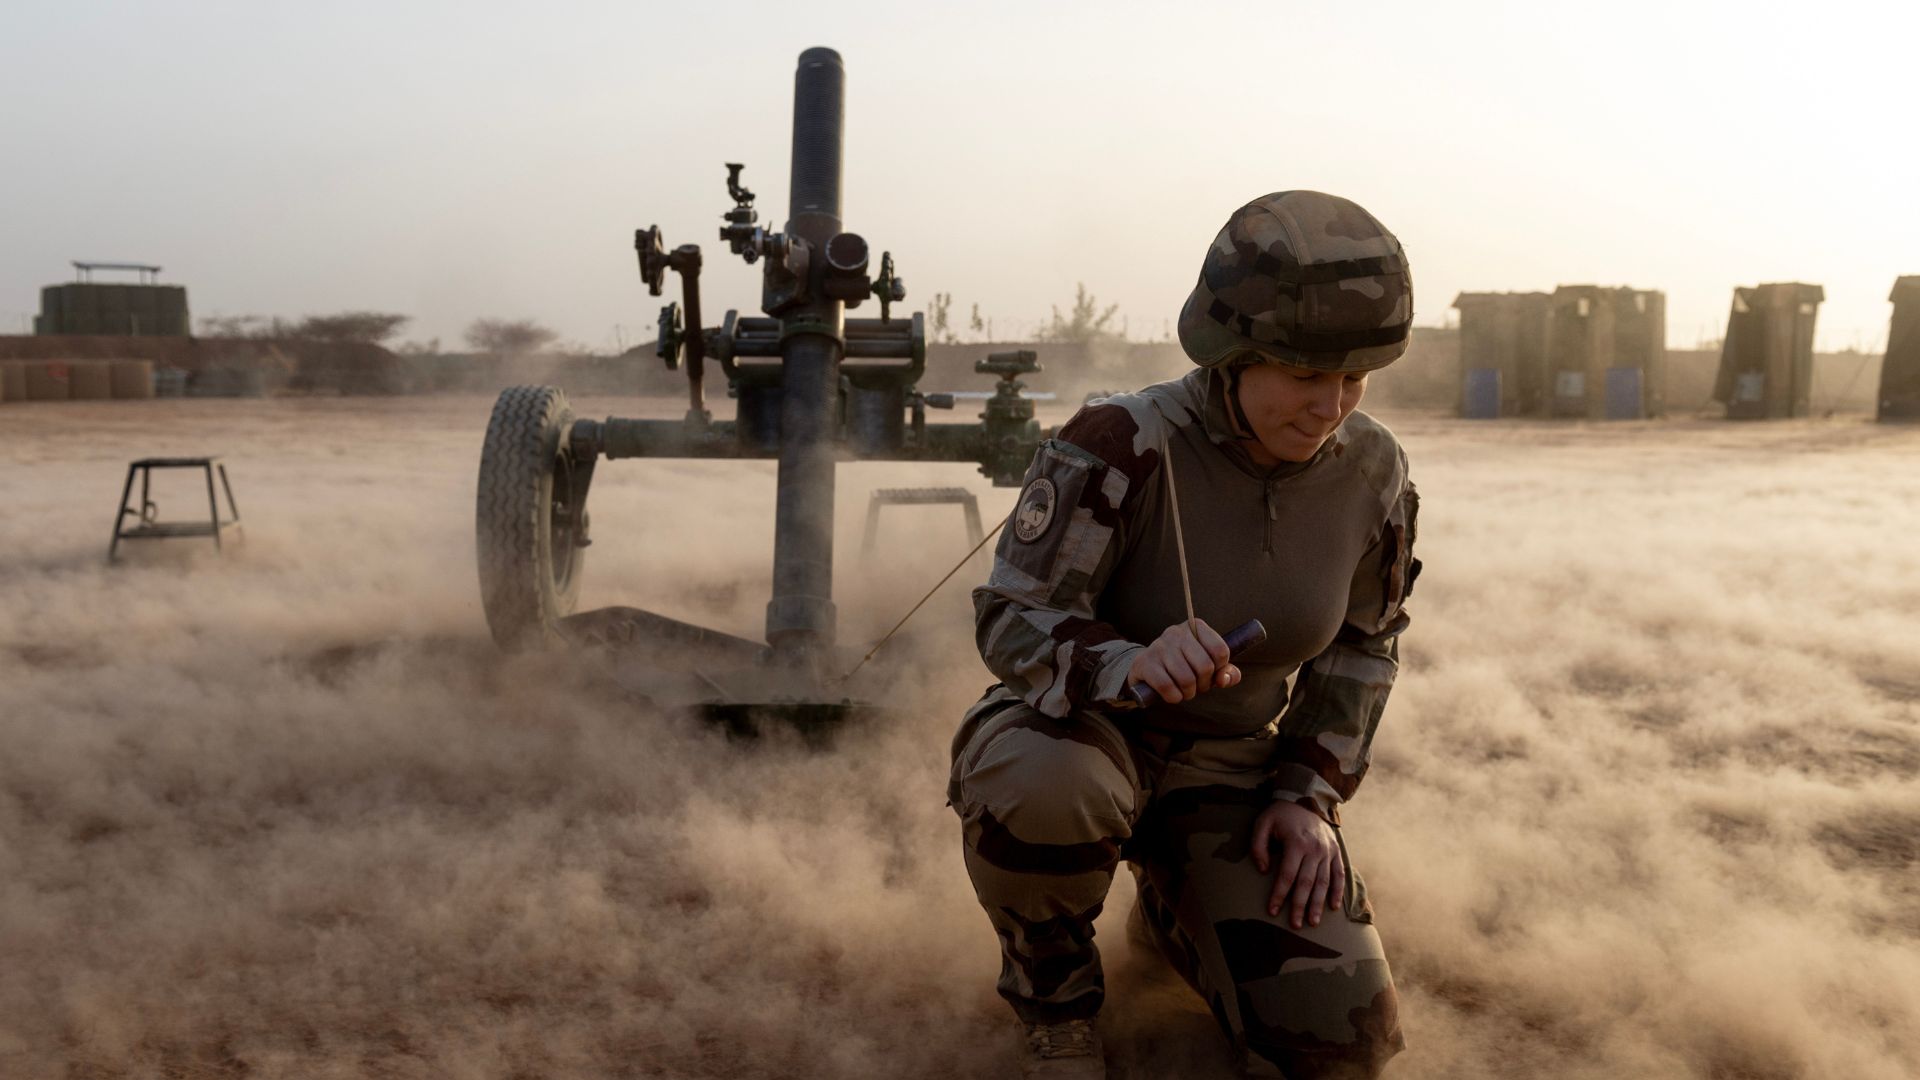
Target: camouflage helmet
(1304, 278)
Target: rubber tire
(524, 588)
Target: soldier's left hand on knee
(1309, 876)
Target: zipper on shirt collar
(1273, 514)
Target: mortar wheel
(530, 516)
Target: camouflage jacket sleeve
(1034, 618)
(1326, 733)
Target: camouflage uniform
(1057, 779)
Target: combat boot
(1068, 1049)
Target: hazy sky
(454, 160)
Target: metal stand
(149, 527)
(928, 496)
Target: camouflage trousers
(1050, 808)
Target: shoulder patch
(1039, 502)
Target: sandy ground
(1646, 802)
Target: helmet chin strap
(1240, 425)
(1237, 415)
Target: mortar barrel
(800, 617)
(819, 118)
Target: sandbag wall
(13, 382)
(75, 380)
(133, 380)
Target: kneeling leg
(1318, 1002)
(1045, 806)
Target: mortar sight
(796, 401)
(741, 232)
(1008, 365)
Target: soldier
(1224, 798)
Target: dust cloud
(1646, 802)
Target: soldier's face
(1292, 410)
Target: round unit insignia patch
(1037, 505)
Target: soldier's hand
(1182, 663)
(1309, 876)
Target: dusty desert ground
(1646, 802)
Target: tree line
(1085, 321)
(493, 337)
